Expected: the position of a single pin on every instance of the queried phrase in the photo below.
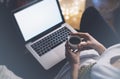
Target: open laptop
(44, 30)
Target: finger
(84, 35)
(84, 46)
(67, 49)
(78, 51)
(66, 44)
(83, 43)
(81, 46)
(66, 52)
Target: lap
(87, 57)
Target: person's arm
(90, 42)
(100, 48)
(74, 60)
(75, 71)
(74, 57)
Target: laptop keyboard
(51, 41)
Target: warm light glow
(71, 8)
(72, 11)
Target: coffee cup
(74, 41)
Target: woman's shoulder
(103, 65)
(109, 53)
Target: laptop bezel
(43, 33)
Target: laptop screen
(38, 18)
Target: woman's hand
(74, 60)
(73, 57)
(90, 42)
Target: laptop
(44, 30)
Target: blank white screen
(38, 18)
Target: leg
(87, 57)
(93, 23)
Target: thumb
(83, 43)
